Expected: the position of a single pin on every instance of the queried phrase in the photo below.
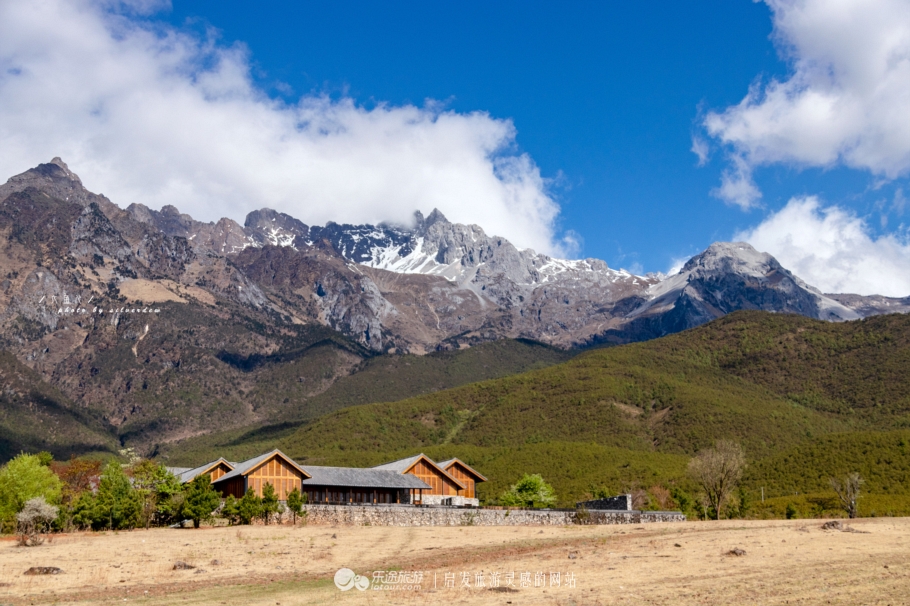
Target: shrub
(34, 520)
(22, 479)
(530, 491)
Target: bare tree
(717, 471)
(34, 520)
(848, 492)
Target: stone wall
(600, 516)
(407, 515)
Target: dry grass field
(785, 562)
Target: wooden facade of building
(214, 470)
(274, 468)
(437, 479)
(464, 473)
(442, 485)
(219, 470)
(415, 480)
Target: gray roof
(188, 474)
(354, 477)
(243, 467)
(445, 465)
(401, 465)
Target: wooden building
(415, 480)
(273, 468)
(466, 474)
(443, 487)
(341, 485)
(214, 470)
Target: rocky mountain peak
(422, 224)
(56, 179)
(738, 257)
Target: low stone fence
(408, 515)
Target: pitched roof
(245, 467)
(446, 464)
(188, 474)
(403, 465)
(354, 477)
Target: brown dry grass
(786, 562)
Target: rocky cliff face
(81, 278)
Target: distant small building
(273, 468)
(214, 470)
(445, 488)
(621, 502)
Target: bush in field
(34, 520)
(22, 479)
(530, 491)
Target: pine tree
(230, 511)
(249, 507)
(296, 501)
(269, 502)
(200, 500)
(117, 504)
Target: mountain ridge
(79, 274)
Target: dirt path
(785, 562)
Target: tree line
(39, 494)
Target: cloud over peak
(152, 115)
(832, 249)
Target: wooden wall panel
(279, 474)
(220, 470)
(439, 483)
(234, 486)
(465, 478)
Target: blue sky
(568, 127)
(605, 96)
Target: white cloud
(676, 265)
(832, 249)
(737, 186)
(151, 115)
(846, 101)
(701, 149)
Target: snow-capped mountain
(434, 284)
